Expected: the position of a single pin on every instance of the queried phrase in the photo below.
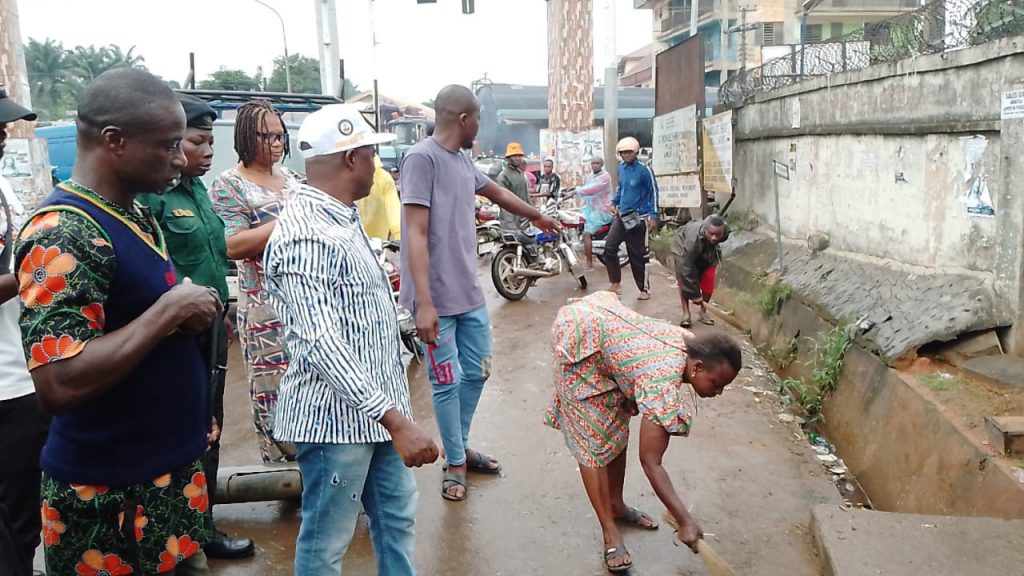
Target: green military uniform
(194, 233)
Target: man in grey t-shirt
(439, 278)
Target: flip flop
(644, 296)
(615, 554)
(480, 462)
(449, 481)
(686, 324)
(707, 321)
(634, 518)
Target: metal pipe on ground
(258, 483)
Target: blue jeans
(458, 366)
(338, 480)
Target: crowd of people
(116, 333)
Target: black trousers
(24, 426)
(211, 460)
(636, 246)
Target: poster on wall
(572, 152)
(675, 142)
(717, 164)
(20, 155)
(975, 193)
(1013, 105)
(679, 191)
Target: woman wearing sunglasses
(249, 198)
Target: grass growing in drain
(828, 367)
(771, 296)
(941, 382)
(783, 356)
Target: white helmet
(628, 144)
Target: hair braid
(250, 121)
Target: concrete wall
(883, 159)
(847, 186)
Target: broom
(715, 564)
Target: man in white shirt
(344, 400)
(23, 423)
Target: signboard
(781, 170)
(717, 164)
(675, 142)
(1013, 105)
(572, 151)
(679, 191)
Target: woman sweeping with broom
(611, 364)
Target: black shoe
(224, 547)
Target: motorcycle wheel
(510, 286)
(412, 344)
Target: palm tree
(92, 61)
(51, 74)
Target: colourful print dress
(244, 205)
(606, 354)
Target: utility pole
(328, 47)
(570, 70)
(13, 74)
(742, 29)
(611, 102)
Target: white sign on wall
(717, 164)
(679, 191)
(1013, 105)
(675, 142)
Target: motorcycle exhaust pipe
(532, 273)
(258, 483)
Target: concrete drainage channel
(922, 493)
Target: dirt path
(749, 479)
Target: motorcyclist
(513, 178)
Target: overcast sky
(421, 47)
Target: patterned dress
(244, 205)
(604, 355)
(65, 271)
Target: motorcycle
(516, 266)
(574, 221)
(387, 255)
(488, 230)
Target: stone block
(973, 346)
(818, 241)
(1006, 433)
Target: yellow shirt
(381, 211)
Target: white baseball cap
(337, 128)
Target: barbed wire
(938, 26)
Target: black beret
(198, 113)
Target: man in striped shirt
(344, 400)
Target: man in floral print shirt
(110, 339)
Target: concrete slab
(867, 542)
(1007, 370)
(1006, 434)
(908, 307)
(969, 347)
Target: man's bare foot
(616, 288)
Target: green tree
(229, 79)
(91, 61)
(305, 73)
(51, 77)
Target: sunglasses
(273, 137)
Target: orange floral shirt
(65, 264)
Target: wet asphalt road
(748, 479)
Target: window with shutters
(770, 34)
(814, 33)
(837, 31)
